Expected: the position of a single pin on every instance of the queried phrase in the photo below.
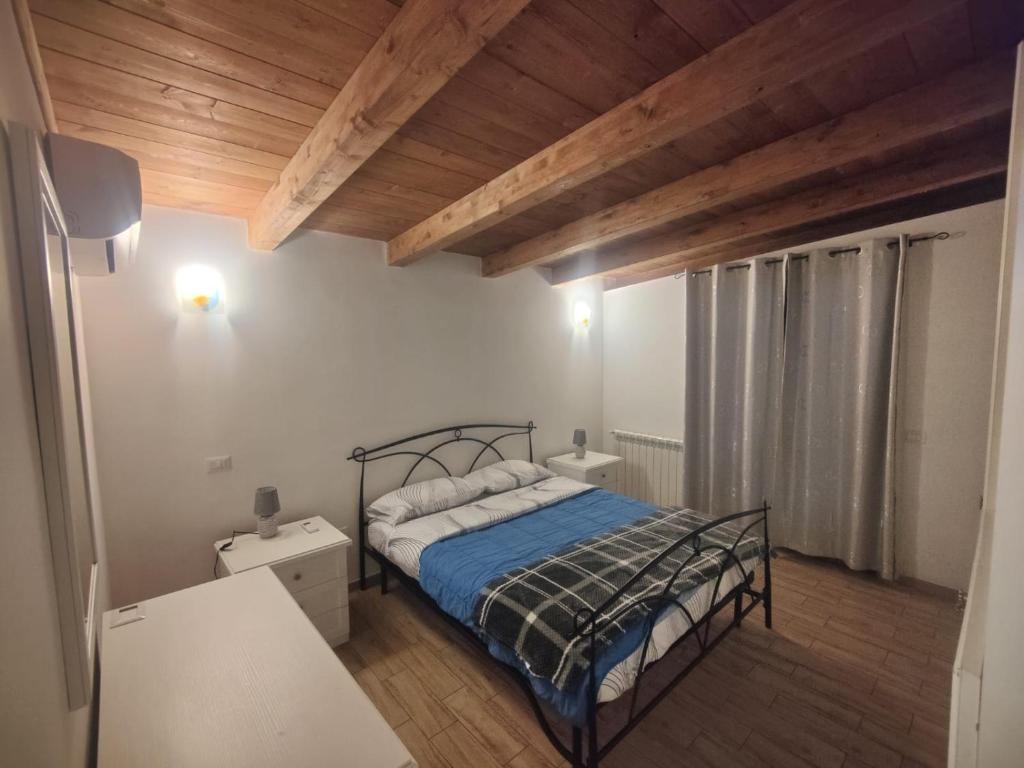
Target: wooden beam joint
(979, 158)
(958, 99)
(805, 37)
(426, 43)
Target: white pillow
(524, 471)
(492, 479)
(422, 499)
(506, 475)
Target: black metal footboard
(590, 624)
(586, 748)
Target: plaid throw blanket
(531, 610)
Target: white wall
(643, 352)
(36, 728)
(948, 333)
(322, 348)
(945, 380)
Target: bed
(578, 590)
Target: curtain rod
(835, 252)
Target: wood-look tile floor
(854, 673)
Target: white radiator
(653, 467)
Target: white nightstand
(308, 557)
(595, 468)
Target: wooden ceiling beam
(979, 158)
(960, 196)
(803, 38)
(422, 48)
(958, 99)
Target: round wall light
(200, 289)
(581, 315)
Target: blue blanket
(454, 571)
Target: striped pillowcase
(421, 498)
(443, 493)
(507, 475)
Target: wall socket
(217, 464)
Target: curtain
(790, 395)
(733, 337)
(834, 471)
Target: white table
(595, 468)
(308, 557)
(232, 674)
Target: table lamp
(266, 508)
(579, 439)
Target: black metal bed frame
(587, 752)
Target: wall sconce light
(200, 290)
(581, 315)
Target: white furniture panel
(333, 625)
(304, 571)
(308, 556)
(322, 598)
(988, 678)
(595, 468)
(231, 674)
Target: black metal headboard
(456, 434)
(449, 435)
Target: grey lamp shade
(267, 503)
(579, 437)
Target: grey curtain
(834, 488)
(790, 394)
(733, 336)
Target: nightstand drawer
(301, 573)
(322, 598)
(333, 625)
(605, 476)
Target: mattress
(498, 533)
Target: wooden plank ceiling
(725, 149)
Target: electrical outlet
(218, 464)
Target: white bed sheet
(404, 543)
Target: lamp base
(581, 451)
(266, 527)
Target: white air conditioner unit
(100, 193)
(92, 258)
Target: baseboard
(918, 585)
(929, 588)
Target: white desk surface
(232, 674)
